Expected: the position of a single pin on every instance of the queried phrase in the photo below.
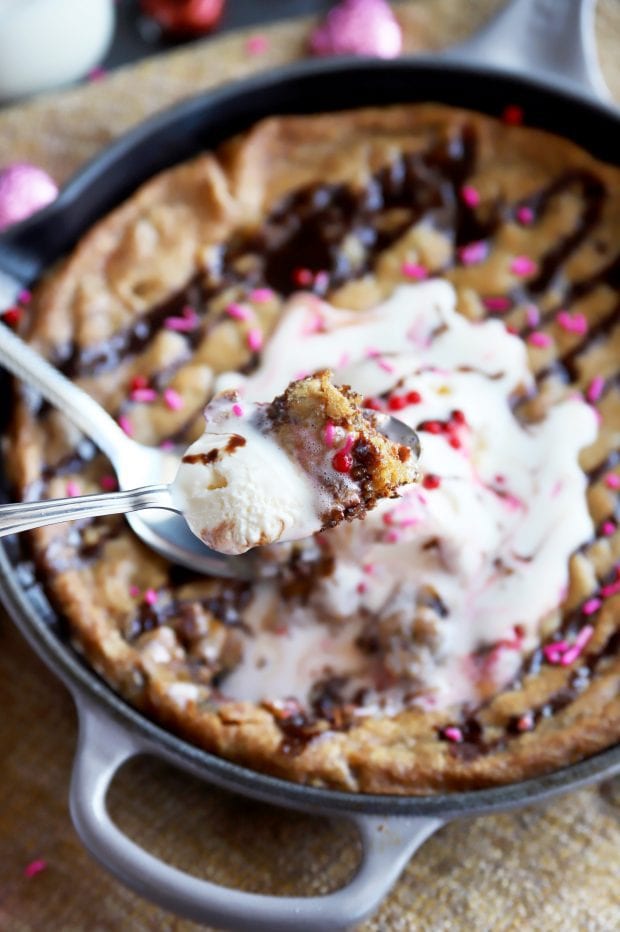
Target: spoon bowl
(144, 475)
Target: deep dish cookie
(186, 285)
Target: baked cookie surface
(349, 207)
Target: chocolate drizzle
(336, 233)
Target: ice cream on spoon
(262, 473)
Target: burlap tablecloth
(549, 867)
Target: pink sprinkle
(575, 650)
(344, 360)
(385, 365)
(35, 867)
(523, 266)
(72, 489)
(473, 253)
(532, 315)
(392, 536)
(497, 303)
(553, 652)
(572, 323)
(166, 445)
(184, 324)
(414, 270)
(608, 528)
(25, 296)
(257, 45)
(470, 196)
(143, 395)
(125, 424)
(315, 325)
(526, 722)
(329, 434)
(96, 74)
(108, 483)
(612, 480)
(255, 339)
(525, 215)
(612, 589)
(538, 338)
(454, 734)
(239, 311)
(321, 280)
(261, 295)
(368, 568)
(173, 400)
(591, 606)
(361, 587)
(595, 389)
(134, 592)
(237, 410)
(150, 597)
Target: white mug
(47, 43)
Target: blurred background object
(47, 43)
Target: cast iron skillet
(550, 41)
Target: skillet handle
(552, 40)
(104, 745)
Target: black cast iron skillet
(538, 36)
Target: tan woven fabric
(545, 868)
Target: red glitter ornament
(185, 17)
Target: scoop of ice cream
(238, 488)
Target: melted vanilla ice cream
(238, 488)
(452, 580)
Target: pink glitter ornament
(358, 27)
(24, 189)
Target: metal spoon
(143, 474)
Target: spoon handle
(24, 516)
(82, 410)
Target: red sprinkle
(540, 339)
(432, 427)
(303, 277)
(525, 215)
(414, 270)
(414, 398)
(373, 403)
(497, 303)
(35, 867)
(470, 195)
(431, 481)
(526, 722)
(12, 316)
(612, 480)
(458, 417)
(595, 389)
(513, 115)
(342, 462)
(138, 382)
(108, 483)
(397, 402)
